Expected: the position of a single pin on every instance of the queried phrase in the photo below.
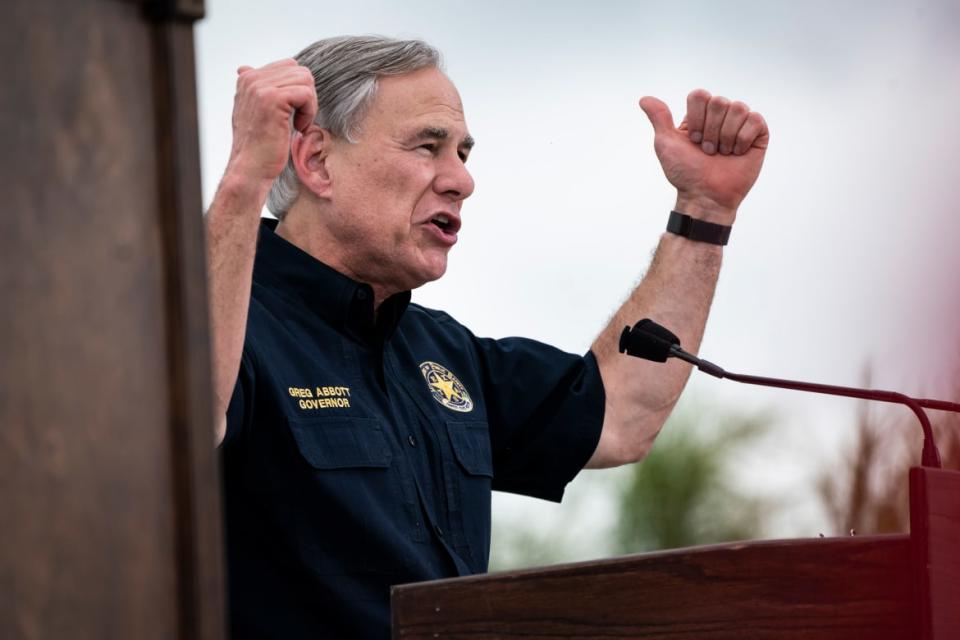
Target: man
(362, 434)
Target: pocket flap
(471, 446)
(341, 443)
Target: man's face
(397, 191)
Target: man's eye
(429, 146)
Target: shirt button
(361, 294)
(412, 441)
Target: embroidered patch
(445, 388)
(321, 397)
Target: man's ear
(309, 151)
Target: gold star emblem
(444, 386)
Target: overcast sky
(844, 253)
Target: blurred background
(841, 268)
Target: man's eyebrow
(440, 133)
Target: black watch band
(698, 230)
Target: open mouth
(444, 222)
(444, 226)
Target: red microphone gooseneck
(651, 341)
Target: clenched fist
(713, 157)
(265, 101)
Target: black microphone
(650, 341)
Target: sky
(843, 255)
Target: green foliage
(680, 495)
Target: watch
(698, 230)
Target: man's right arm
(265, 101)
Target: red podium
(878, 587)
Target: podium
(878, 587)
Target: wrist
(241, 192)
(706, 209)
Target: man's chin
(432, 271)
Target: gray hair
(345, 72)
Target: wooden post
(108, 474)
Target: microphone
(650, 341)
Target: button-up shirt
(362, 448)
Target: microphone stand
(930, 457)
(651, 341)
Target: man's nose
(453, 179)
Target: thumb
(658, 113)
(243, 69)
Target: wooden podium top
(821, 588)
(877, 587)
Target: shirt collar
(341, 301)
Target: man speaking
(362, 434)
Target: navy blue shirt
(361, 449)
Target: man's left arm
(713, 158)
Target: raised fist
(713, 157)
(262, 108)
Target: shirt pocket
(341, 442)
(348, 506)
(469, 481)
(470, 442)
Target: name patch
(312, 398)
